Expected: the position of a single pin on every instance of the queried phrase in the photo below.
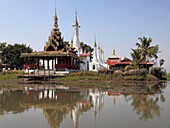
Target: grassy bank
(168, 76)
(115, 77)
(10, 75)
(94, 79)
(88, 78)
(9, 79)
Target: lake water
(137, 107)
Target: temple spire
(55, 18)
(76, 43)
(95, 60)
(76, 21)
(95, 45)
(114, 52)
(55, 9)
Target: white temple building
(94, 64)
(84, 57)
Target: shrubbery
(158, 72)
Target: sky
(117, 24)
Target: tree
(159, 72)
(147, 52)
(136, 58)
(2, 47)
(11, 55)
(161, 62)
(144, 52)
(86, 49)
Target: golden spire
(55, 18)
(76, 21)
(95, 45)
(113, 51)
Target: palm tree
(136, 57)
(147, 51)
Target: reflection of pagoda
(75, 114)
(97, 99)
(47, 94)
(75, 103)
(56, 104)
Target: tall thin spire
(95, 45)
(76, 42)
(55, 9)
(55, 18)
(95, 60)
(76, 21)
(114, 52)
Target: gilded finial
(55, 18)
(76, 21)
(55, 12)
(95, 45)
(113, 51)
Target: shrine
(56, 56)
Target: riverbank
(168, 76)
(85, 78)
(10, 75)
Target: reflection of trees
(147, 105)
(158, 90)
(10, 102)
(54, 109)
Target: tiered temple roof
(55, 46)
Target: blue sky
(117, 24)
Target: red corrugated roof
(119, 62)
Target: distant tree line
(10, 55)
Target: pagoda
(76, 42)
(57, 55)
(95, 65)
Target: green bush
(150, 77)
(158, 72)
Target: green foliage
(11, 55)
(147, 51)
(150, 77)
(86, 48)
(144, 52)
(158, 72)
(10, 75)
(85, 73)
(161, 62)
(136, 57)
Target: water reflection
(58, 103)
(146, 105)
